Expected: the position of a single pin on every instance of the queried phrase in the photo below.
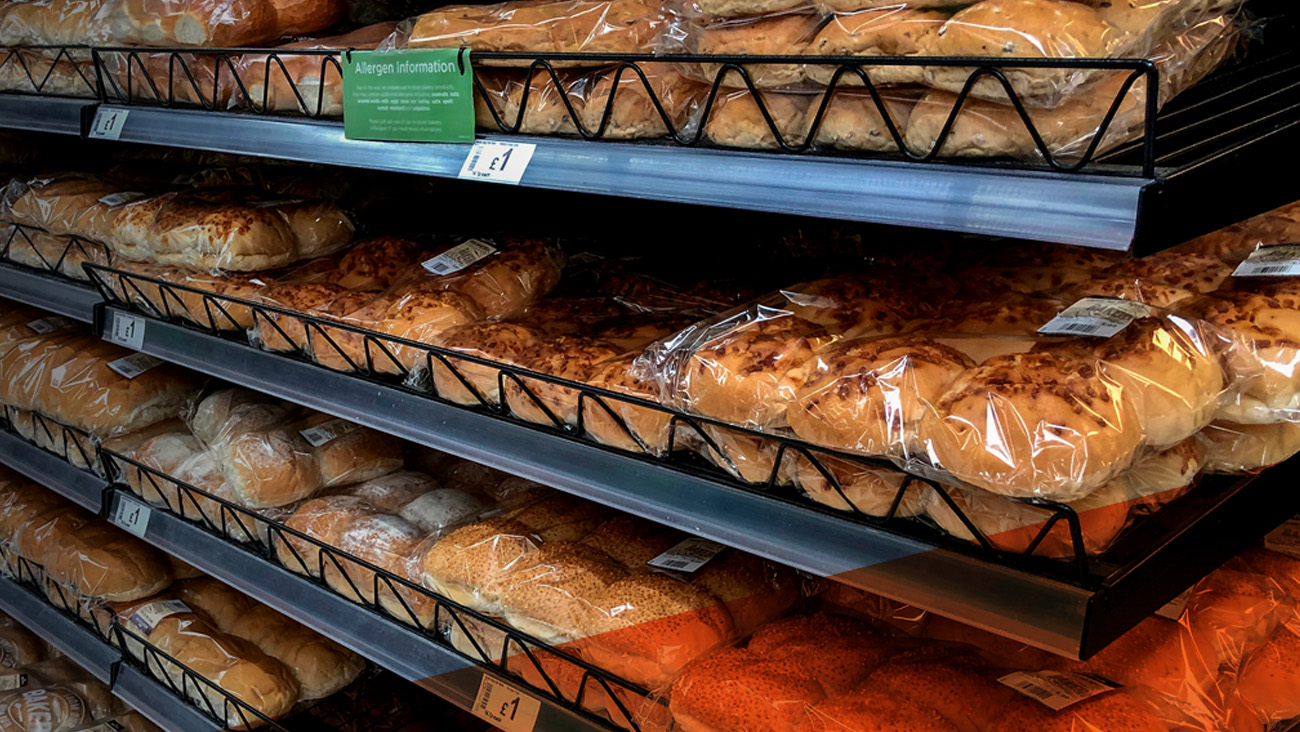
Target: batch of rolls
(139, 598)
(1186, 39)
(41, 689)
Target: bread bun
(1236, 610)
(869, 708)
(376, 263)
(320, 665)
(562, 517)
(1267, 331)
(859, 304)
(736, 119)
(1198, 273)
(500, 342)
(868, 395)
(468, 565)
(1158, 477)
(441, 510)
(860, 487)
(566, 357)
(547, 596)
(356, 455)
(1060, 430)
(1162, 655)
(1267, 683)
(747, 457)
(383, 540)
(634, 114)
(324, 519)
(779, 34)
(420, 314)
(753, 589)
(991, 328)
(100, 560)
(269, 468)
(504, 284)
(956, 687)
(632, 541)
(47, 532)
(1114, 710)
(621, 424)
(744, 8)
(285, 333)
(226, 412)
(1235, 448)
(1125, 287)
(892, 30)
(737, 689)
(389, 493)
(221, 603)
(647, 627)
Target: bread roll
(621, 424)
(990, 328)
(100, 560)
(1060, 430)
(869, 708)
(1266, 330)
(738, 689)
(221, 603)
(780, 34)
(853, 121)
(66, 204)
(320, 665)
(305, 83)
(1114, 710)
(343, 349)
(868, 395)
(224, 413)
(46, 532)
(323, 519)
(1234, 448)
(376, 263)
(754, 590)
(278, 332)
(441, 510)
(26, 502)
(1124, 287)
(737, 120)
(383, 540)
(891, 30)
(1195, 272)
(863, 487)
(745, 8)
(562, 517)
(1236, 610)
(268, 468)
(348, 453)
(389, 493)
(1161, 655)
(469, 565)
(547, 596)
(1267, 683)
(571, 358)
(957, 688)
(504, 284)
(860, 304)
(747, 457)
(1158, 477)
(465, 382)
(647, 627)
(190, 231)
(632, 541)
(218, 23)
(633, 114)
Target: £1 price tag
(132, 515)
(497, 161)
(108, 124)
(505, 706)
(127, 330)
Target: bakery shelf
(48, 292)
(399, 649)
(85, 648)
(1025, 600)
(149, 698)
(79, 486)
(34, 113)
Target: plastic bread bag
(199, 23)
(346, 452)
(784, 34)
(885, 30)
(746, 457)
(62, 254)
(623, 424)
(63, 707)
(736, 120)
(1238, 609)
(1248, 448)
(307, 84)
(540, 26)
(469, 565)
(857, 486)
(383, 540)
(53, 22)
(1079, 124)
(322, 520)
(572, 358)
(210, 301)
(619, 100)
(471, 383)
(1019, 29)
(68, 204)
(26, 366)
(528, 102)
(1265, 692)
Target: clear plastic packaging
(68, 204)
(886, 30)
(36, 73)
(53, 22)
(786, 34)
(305, 83)
(1237, 448)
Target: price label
(505, 706)
(11, 681)
(498, 161)
(132, 516)
(108, 124)
(1285, 539)
(127, 330)
(688, 556)
(135, 364)
(1057, 690)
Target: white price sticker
(323, 433)
(132, 516)
(1285, 539)
(459, 257)
(1100, 317)
(134, 365)
(127, 330)
(117, 199)
(147, 617)
(51, 324)
(1173, 610)
(1057, 690)
(13, 680)
(505, 706)
(1282, 260)
(688, 556)
(108, 124)
(497, 161)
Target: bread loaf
(52, 23)
(383, 540)
(1234, 448)
(1266, 686)
(320, 665)
(100, 560)
(469, 565)
(565, 357)
(20, 647)
(781, 34)
(221, 603)
(210, 23)
(72, 204)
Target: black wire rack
(598, 417)
(32, 577)
(84, 81)
(480, 638)
(71, 444)
(34, 248)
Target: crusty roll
(1033, 425)
(1159, 476)
(547, 596)
(633, 114)
(320, 665)
(572, 358)
(621, 424)
(891, 30)
(736, 120)
(853, 121)
(466, 382)
(868, 395)
(647, 627)
(469, 565)
(347, 453)
(101, 560)
(323, 519)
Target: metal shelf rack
(79, 486)
(1037, 607)
(48, 291)
(85, 648)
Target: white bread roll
(1235, 448)
(320, 665)
(469, 565)
(323, 519)
(101, 560)
(441, 510)
(389, 493)
(347, 453)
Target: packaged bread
(564, 26)
(1266, 685)
(1235, 448)
(468, 382)
(572, 358)
(556, 516)
(306, 83)
(532, 103)
(735, 119)
(213, 23)
(37, 73)
(346, 452)
(58, 707)
(53, 22)
(40, 250)
(20, 647)
(886, 30)
(68, 204)
(320, 665)
(620, 104)
(853, 120)
(621, 423)
(100, 560)
(469, 565)
(787, 34)
(322, 520)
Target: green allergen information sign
(409, 96)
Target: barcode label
(117, 199)
(334, 429)
(135, 364)
(11, 681)
(1098, 317)
(1285, 539)
(459, 257)
(1173, 609)
(688, 556)
(1282, 260)
(498, 161)
(51, 324)
(1057, 690)
(147, 617)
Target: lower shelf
(47, 291)
(60, 631)
(79, 486)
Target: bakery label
(688, 556)
(506, 707)
(12, 680)
(117, 199)
(131, 515)
(1279, 260)
(44, 710)
(127, 330)
(1097, 317)
(424, 95)
(331, 430)
(1057, 690)
(458, 257)
(42, 326)
(108, 124)
(135, 364)
(147, 617)
(497, 161)
(1285, 539)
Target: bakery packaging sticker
(409, 96)
(1057, 690)
(1281, 260)
(117, 199)
(1098, 317)
(688, 556)
(43, 326)
(458, 257)
(331, 430)
(12, 680)
(1285, 539)
(147, 617)
(134, 365)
